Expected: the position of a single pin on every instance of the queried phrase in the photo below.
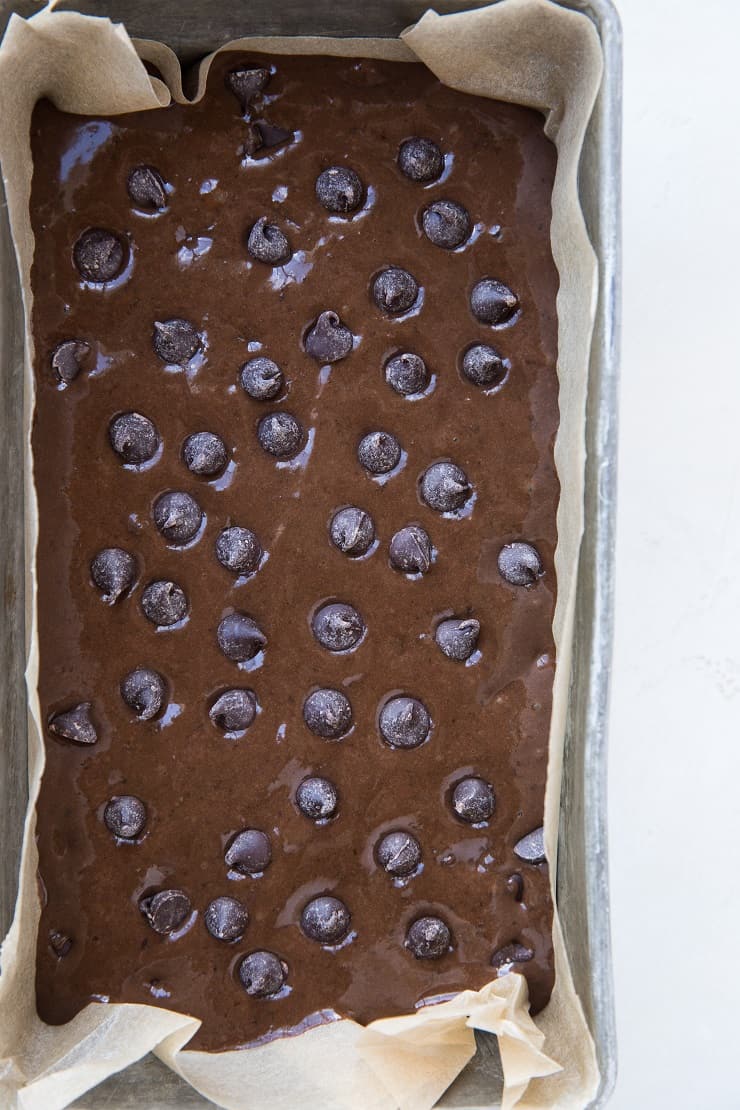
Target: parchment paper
(526, 51)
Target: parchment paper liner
(526, 51)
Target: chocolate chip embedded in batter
(446, 224)
(520, 564)
(404, 722)
(328, 340)
(67, 359)
(339, 189)
(238, 550)
(513, 953)
(167, 910)
(444, 487)
(247, 83)
(75, 724)
(60, 944)
(205, 454)
(133, 437)
(144, 691)
(176, 341)
(262, 974)
(398, 853)
(352, 531)
(457, 639)
(483, 365)
(226, 919)
(164, 603)
(178, 516)
(113, 571)
(394, 291)
(267, 243)
(146, 188)
(410, 550)
(531, 848)
(407, 374)
(280, 434)
(493, 303)
(428, 938)
(99, 255)
(249, 852)
(420, 159)
(240, 638)
(515, 886)
(125, 816)
(379, 452)
(261, 378)
(473, 800)
(338, 626)
(316, 798)
(234, 710)
(325, 919)
(328, 713)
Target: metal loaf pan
(193, 28)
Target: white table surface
(675, 724)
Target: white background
(675, 725)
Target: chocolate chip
(144, 691)
(379, 452)
(60, 944)
(398, 853)
(394, 290)
(352, 531)
(262, 974)
(473, 800)
(325, 919)
(446, 224)
(125, 816)
(67, 359)
(337, 626)
(457, 638)
(261, 378)
(531, 848)
(420, 159)
(328, 713)
(444, 487)
(410, 550)
(226, 919)
(493, 303)
(428, 938)
(317, 798)
(176, 341)
(238, 550)
(280, 434)
(249, 852)
(133, 437)
(483, 365)
(520, 564)
(99, 255)
(267, 243)
(513, 953)
(178, 516)
(113, 571)
(271, 135)
(166, 910)
(339, 189)
(247, 83)
(164, 603)
(407, 374)
(205, 454)
(240, 638)
(515, 886)
(328, 340)
(75, 724)
(404, 722)
(234, 710)
(146, 188)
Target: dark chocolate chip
(261, 378)
(428, 938)
(240, 638)
(339, 189)
(513, 953)
(317, 798)
(226, 919)
(398, 853)
(252, 141)
(146, 188)
(473, 800)
(444, 487)
(205, 454)
(520, 564)
(113, 571)
(515, 886)
(531, 848)
(280, 434)
(267, 243)
(394, 290)
(75, 724)
(483, 365)
(234, 710)
(125, 816)
(379, 452)
(133, 437)
(60, 944)
(420, 159)
(67, 359)
(457, 638)
(176, 341)
(328, 340)
(178, 516)
(446, 224)
(247, 83)
(238, 550)
(410, 550)
(164, 603)
(99, 255)
(325, 919)
(407, 374)
(493, 303)
(249, 852)
(262, 974)
(328, 713)
(144, 691)
(167, 910)
(352, 531)
(271, 135)
(337, 626)
(404, 722)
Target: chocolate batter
(294, 617)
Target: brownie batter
(293, 450)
